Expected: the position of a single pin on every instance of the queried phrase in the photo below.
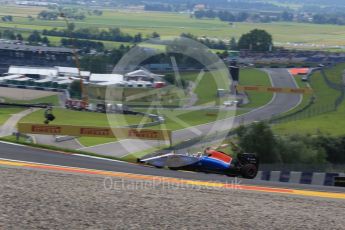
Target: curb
(312, 178)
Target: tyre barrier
(312, 178)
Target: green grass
(255, 77)
(173, 24)
(333, 122)
(6, 113)
(92, 141)
(71, 117)
(335, 73)
(180, 119)
(207, 85)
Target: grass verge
(7, 112)
(329, 122)
(255, 77)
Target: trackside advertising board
(87, 131)
(274, 89)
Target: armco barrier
(326, 179)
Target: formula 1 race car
(211, 161)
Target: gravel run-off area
(37, 199)
(24, 94)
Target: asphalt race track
(280, 103)
(29, 154)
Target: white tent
(108, 79)
(10, 77)
(71, 71)
(26, 70)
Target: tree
(241, 17)
(95, 64)
(138, 38)
(286, 16)
(9, 34)
(45, 40)
(7, 18)
(35, 37)
(334, 147)
(155, 35)
(256, 40)
(233, 44)
(259, 139)
(71, 27)
(75, 89)
(20, 37)
(48, 15)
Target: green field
(173, 24)
(70, 117)
(180, 119)
(331, 122)
(255, 77)
(206, 84)
(6, 112)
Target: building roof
(142, 73)
(23, 79)
(43, 81)
(68, 70)
(109, 78)
(43, 71)
(11, 77)
(72, 71)
(65, 82)
(85, 73)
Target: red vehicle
(76, 104)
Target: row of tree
(255, 40)
(7, 18)
(71, 13)
(112, 34)
(337, 19)
(11, 35)
(302, 149)
(286, 16)
(34, 38)
(100, 63)
(243, 16)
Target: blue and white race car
(211, 161)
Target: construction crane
(76, 103)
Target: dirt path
(10, 125)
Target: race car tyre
(249, 171)
(174, 168)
